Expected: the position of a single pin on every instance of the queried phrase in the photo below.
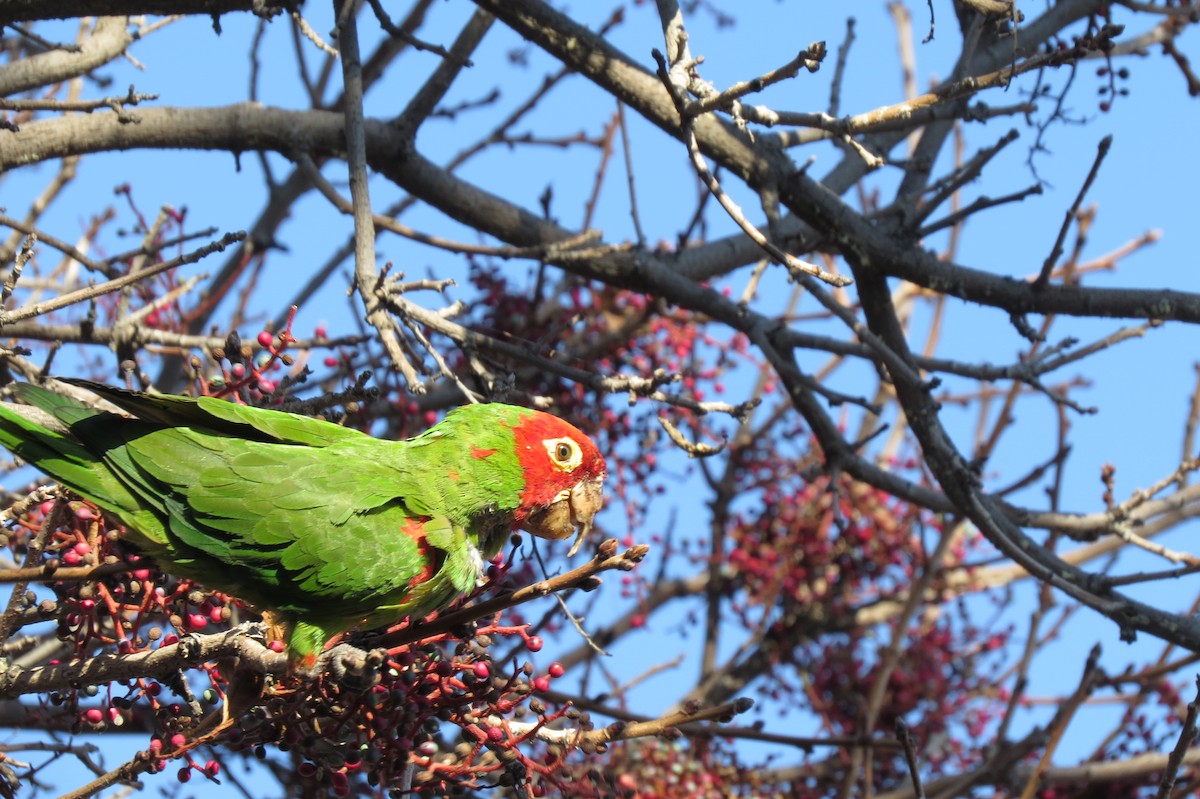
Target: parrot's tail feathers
(47, 447)
(210, 413)
(54, 453)
(45, 399)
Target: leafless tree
(774, 371)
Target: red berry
(178, 740)
(197, 621)
(265, 339)
(212, 768)
(482, 671)
(320, 332)
(541, 684)
(534, 644)
(556, 670)
(276, 646)
(94, 715)
(331, 361)
(495, 734)
(185, 774)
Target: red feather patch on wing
(415, 529)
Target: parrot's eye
(564, 453)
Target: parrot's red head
(564, 478)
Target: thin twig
(1056, 252)
(605, 559)
(1187, 734)
(91, 292)
(366, 274)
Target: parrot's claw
(256, 630)
(351, 667)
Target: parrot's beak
(587, 497)
(571, 511)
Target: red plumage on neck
(544, 481)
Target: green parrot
(323, 526)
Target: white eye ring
(564, 453)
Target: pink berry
(534, 644)
(330, 361)
(541, 684)
(266, 386)
(178, 740)
(94, 715)
(482, 671)
(197, 621)
(556, 670)
(276, 646)
(212, 768)
(321, 332)
(495, 734)
(265, 339)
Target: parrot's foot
(351, 667)
(256, 630)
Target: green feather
(327, 526)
